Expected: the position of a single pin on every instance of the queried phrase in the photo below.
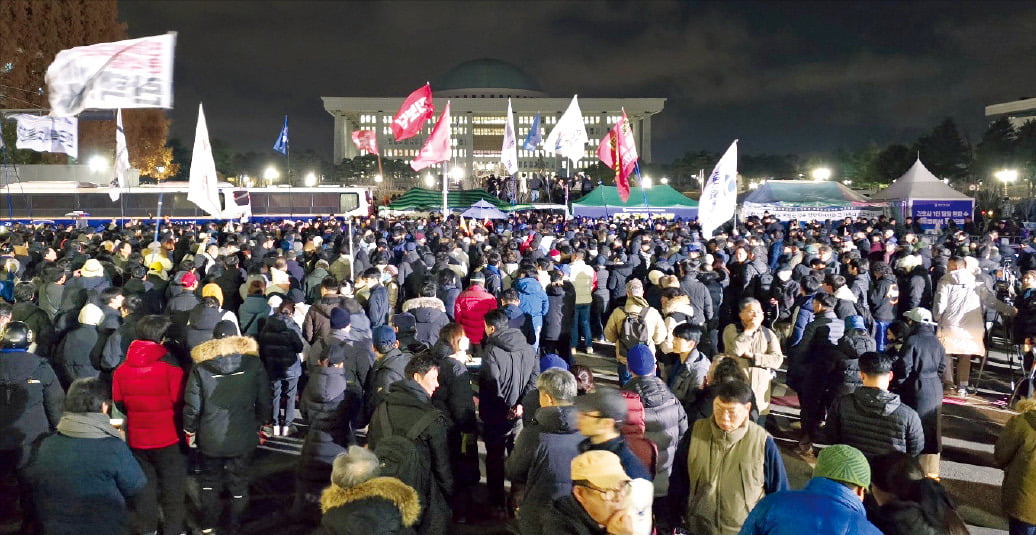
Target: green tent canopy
(662, 201)
(430, 200)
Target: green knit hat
(845, 464)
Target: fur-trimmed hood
(222, 347)
(387, 488)
(424, 302)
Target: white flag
(122, 164)
(719, 193)
(203, 185)
(509, 152)
(48, 134)
(136, 73)
(568, 137)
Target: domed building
(478, 91)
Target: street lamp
(821, 173)
(98, 164)
(664, 180)
(310, 179)
(429, 181)
(457, 174)
(378, 178)
(270, 174)
(1007, 176)
(645, 182)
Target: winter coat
(676, 311)
(915, 290)
(845, 376)
(1025, 320)
(762, 354)
(917, 378)
(686, 380)
(905, 518)
(78, 291)
(81, 485)
(959, 300)
(883, 297)
(509, 370)
(78, 354)
(1015, 452)
(567, 517)
(326, 403)
(430, 316)
(317, 323)
(632, 464)
(823, 507)
(378, 506)
(253, 312)
(227, 397)
(378, 307)
(39, 323)
(30, 379)
(148, 387)
(814, 357)
(533, 300)
(312, 284)
(470, 309)
(561, 305)
(541, 460)
(653, 322)
(406, 404)
(665, 423)
(280, 342)
(200, 324)
(584, 279)
(875, 422)
(700, 298)
(454, 397)
(386, 370)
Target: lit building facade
(478, 91)
(1018, 112)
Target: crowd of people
(131, 357)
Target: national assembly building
(478, 91)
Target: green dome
(486, 73)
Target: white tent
(922, 195)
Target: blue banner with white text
(933, 214)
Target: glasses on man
(611, 495)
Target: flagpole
(291, 195)
(640, 181)
(445, 189)
(352, 257)
(158, 220)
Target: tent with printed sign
(662, 201)
(808, 200)
(420, 199)
(920, 194)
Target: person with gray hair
(543, 451)
(358, 502)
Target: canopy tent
(431, 200)
(484, 210)
(930, 201)
(808, 201)
(662, 201)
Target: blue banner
(933, 214)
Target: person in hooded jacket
(544, 449)
(909, 503)
(532, 301)
(280, 343)
(360, 503)
(883, 298)
(27, 376)
(510, 303)
(202, 320)
(561, 302)
(326, 402)
(917, 378)
(664, 416)
(181, 301)
(429, 315)
(390, 361)
(148, 389)
(226, 401)
(509, 370)
(79, 349)
(857, 340)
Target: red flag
(618, 151)
(437, 147)
(366, 140)
(416, 109)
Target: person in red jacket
(471, 307)
(148, 388)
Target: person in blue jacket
(830, 504)
(83, 475)
(533, 301)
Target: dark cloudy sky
(798, 77)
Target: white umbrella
(484, 210)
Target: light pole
(821, 173)
(270, 174)
(310, 179)
(1007, 176)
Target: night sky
(784, 77)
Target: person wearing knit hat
(552, 360)
(92, 268)
(831, 503)
(213, 290)
(640, 360)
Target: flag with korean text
(509, 150)
(618, 150)
(135, 73)
(416, 109)
(719, 193)
(47, 133)
(366, 140)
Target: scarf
(87, 425)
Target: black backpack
(634, 330)
(404, 456)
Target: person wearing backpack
(677, 310)
(23, 375)
(408, 434)
(634, 323)
(280, 342)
